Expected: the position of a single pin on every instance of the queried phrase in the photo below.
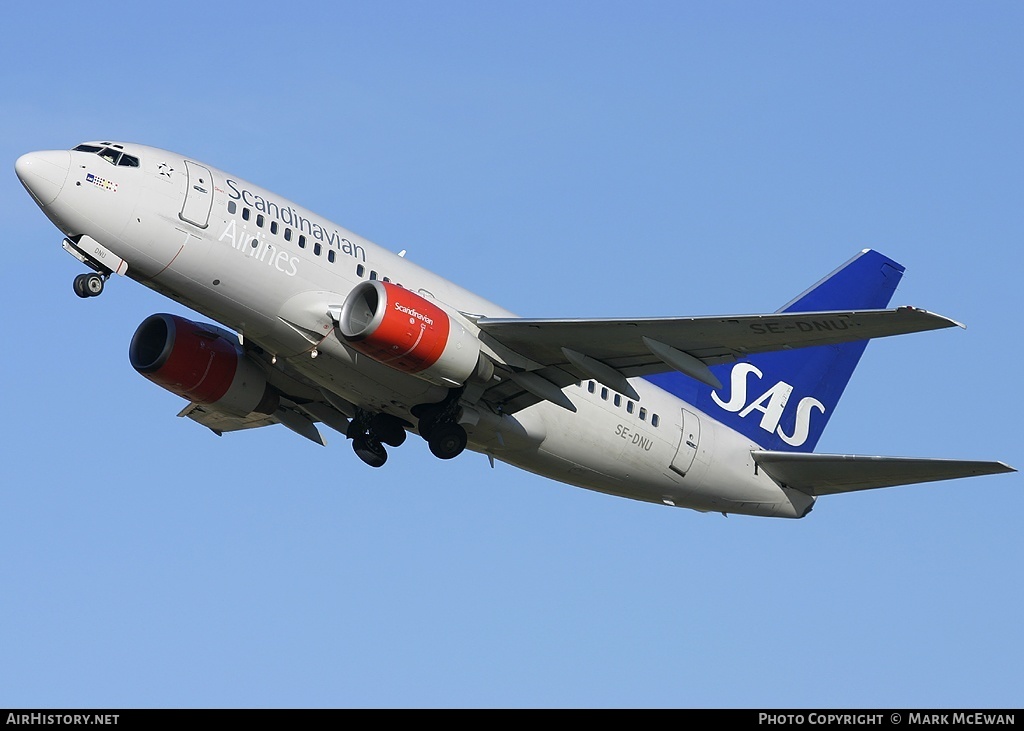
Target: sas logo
(771, 404)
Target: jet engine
(403, 330)
(201, 363)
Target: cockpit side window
(128, 161)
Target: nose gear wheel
(89, 284)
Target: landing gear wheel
(447, 441)
(370, 451)
(388, 429)
(88, 285)
(79, 286)
(94, 284)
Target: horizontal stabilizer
(828, 474)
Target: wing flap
(220, 422)
(829, 474)
(297, 419)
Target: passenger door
(198, 195)
(689, 438)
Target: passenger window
(330, 255)
(360, 270)
(232, 207)
(245, 214)
(629, 407)
(259, 220)
(273, 227)
(373, 274)
(387, 279)
(604, 394)
(287, 234)
(655, 420)
(316, 249)
(643, 414)
(590, 386)
(618, 400)
(302, 241)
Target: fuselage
(271, 271)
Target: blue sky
(562, 159)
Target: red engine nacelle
(200, 363)
(402, 330)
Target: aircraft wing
(219, 422)
(566, 351)
(301, 419)
(828, 474)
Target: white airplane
(324, 327)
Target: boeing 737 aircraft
(322, 327)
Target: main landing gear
(89, 284)
(370, 432)
(446, 438)
(447, 441)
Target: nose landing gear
(89, 284)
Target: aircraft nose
(43, 173)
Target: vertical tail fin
(783, 400)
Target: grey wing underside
(829, 474)
(299, 418)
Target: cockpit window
(114, 157)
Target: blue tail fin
(783, 400)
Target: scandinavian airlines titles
(291, 217)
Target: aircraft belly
(502, 435)
(735, 486)
(365, 385)
(601, 450)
